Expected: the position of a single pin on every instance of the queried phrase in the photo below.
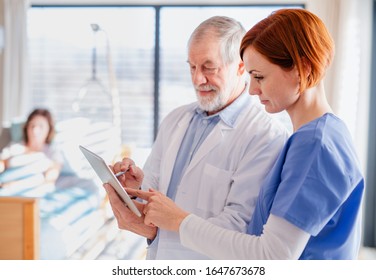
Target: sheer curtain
(347, 82)
(14, 58)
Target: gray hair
(229, 31)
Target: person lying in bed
(36, 160)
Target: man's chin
(209, 101)
(209, 107)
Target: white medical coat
(223, 179)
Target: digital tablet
(107, 176)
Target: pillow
(69, 134)
(16, 130)
(100, 137)
(5, 137)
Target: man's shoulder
(257, 119)
(181, 110)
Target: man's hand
(133, 177)
(126, 219)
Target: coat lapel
(212, 140)
(175, 142)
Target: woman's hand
(160, 211)
(134, 175)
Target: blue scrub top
(316, 184)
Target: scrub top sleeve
(314, 185)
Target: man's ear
(241, 68)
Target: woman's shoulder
(54, 152)
(13, 149)
(326, 135)
(327, 142)
(325, 128)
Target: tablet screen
(107, 176)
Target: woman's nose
(253, 90)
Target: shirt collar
(230, 114)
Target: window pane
(70, 64)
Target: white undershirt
(279, 240)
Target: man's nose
(198, 78)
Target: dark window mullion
(156, 69)
(370, 194)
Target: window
(75, 52)
(69, 58)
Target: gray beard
(212, 103)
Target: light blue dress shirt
(199, 128)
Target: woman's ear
(307, 67)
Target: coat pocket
(215, 185)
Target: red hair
(293, 37)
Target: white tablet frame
(107, 176)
